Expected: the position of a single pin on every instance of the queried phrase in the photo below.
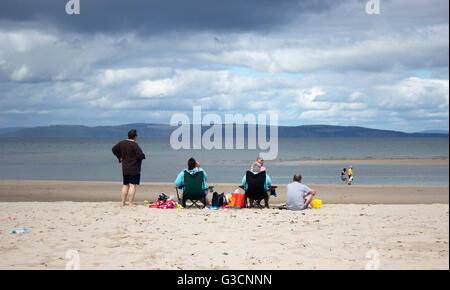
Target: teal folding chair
(193, 190)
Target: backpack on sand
(217, 199)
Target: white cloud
(108, 77)
(416, 93)
(2, 61)
(21, 74)
(23, 41)
(307, 99)
(347, 68)
(52, 56)
(158, 88)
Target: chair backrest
(193, 185)
(256, 182)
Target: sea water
(92, 160)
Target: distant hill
(7, 130)
(164, 131)
(324, 131)
(76, 131)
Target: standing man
(130, 155)
(298, 195)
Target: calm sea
(92, 160)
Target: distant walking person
(350, 175)
(130, 155)
(343, 176)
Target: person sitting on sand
(343, 176)
(193, 167)
(298, 195)
(260, 161)
(130, 155)
(256, 168)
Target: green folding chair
(193, 190)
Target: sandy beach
(394, 227)
(333, 237)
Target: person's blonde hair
(256, 167)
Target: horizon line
(440, 131)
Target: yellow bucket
(317, 203)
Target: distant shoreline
(387, 161)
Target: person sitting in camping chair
(192, 184)
(256, 184)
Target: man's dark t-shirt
(132, 156)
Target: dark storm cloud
(153, 17)
(313, 61)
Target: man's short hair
(132, 134)
(297, 177)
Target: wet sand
(49, 191)
(373, 161)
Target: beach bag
(166, 204)
(218, 199)
(163, 197)
(239, 200)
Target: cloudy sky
(312, 61)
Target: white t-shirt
(295, 195)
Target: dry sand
(393, 221)
(333, 237)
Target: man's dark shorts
(131, 179)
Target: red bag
(239, 199)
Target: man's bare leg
(308, 199)
(124, 194)
(131, 194)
